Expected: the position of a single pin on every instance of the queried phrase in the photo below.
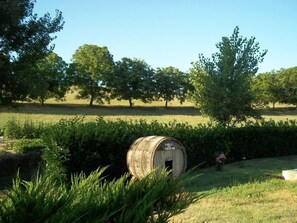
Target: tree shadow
(281, 111)
(100, 110)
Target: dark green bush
(265, 139)
(92, 199)
(87, 145)
(83, 146)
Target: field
(54, 111)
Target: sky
(174, 32)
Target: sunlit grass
(246, 191)
(155, 111)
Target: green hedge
(86, 145)
(83, 146)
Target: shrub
(83, 146)
(14, 129)
(87, 145)
(92, 199)
(27, 145)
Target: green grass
(54, 111)
(246, 191)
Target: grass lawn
(246, 191)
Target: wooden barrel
(156, 152)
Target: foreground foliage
(93, 199)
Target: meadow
(53, 111)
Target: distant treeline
(98, 78)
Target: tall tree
(186, 88)
(288, 82)
(223, 83)
(24, 39)
(91, 67)
(50, 79)
(170, 84)
(133, 79)
(267, 88)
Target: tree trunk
(273, 105)
(91, 100)
(166, 103)
(130, 103)
(92, 93)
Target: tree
(50, 79)
(288, 82)
(185, 89)
(267, 88)
(223, 83)
(24, 40)
(91, 67)
(171, 83)
(133, 79)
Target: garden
(85, 161)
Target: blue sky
(173, 32)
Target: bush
(83, 146)
(265, 139)
(27, 145)
(14, 129)
(92, 199)
(87, 145)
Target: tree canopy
(288, 82)
(24, 39)
(92, 65)
(223, 83)
(171, 83)
(133, 79)
(267, 88)
(50, 80)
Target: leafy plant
(93, 199)
(14, 129)
(27, 145)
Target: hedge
(83, 146)
(86, 145)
